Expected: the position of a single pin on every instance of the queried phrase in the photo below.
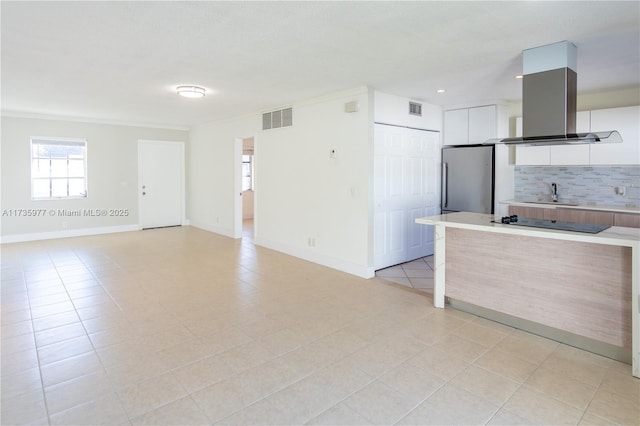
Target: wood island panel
(582, 288)
(581, 216)
(530, 212)
(628, 220)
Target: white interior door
(161, 183)
(405, 188)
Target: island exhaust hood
(549, 99)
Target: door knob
(144, 193)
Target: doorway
(245, 216)
(161, 195)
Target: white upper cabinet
(573, 154)
(470, 125)
(456, 127)
(482, 123)
(531, 155)
(558, 154)
(625, 120)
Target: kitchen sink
(552, 203)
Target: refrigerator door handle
(445, 185)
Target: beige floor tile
(192, 328)
(106, 410)
(572, 365)
(16, 329)
(411, 381)
(26, 408)
(439, 363)
(19, 361)
(203, 373)
(150, 394)
(339, 414)
(11, 345)
(451, 405)
(526, 346)
(557, 385)
(385, 354)
(506, 418)
(70, 368)
(263, 412)
(505, 363)
(224, 398)
(184, 411)
(537, 407)
(304, 399)
(56, 320)
(66, 395)
(621, 384)
(64, 350)
(463, 348)
(479, 333)
(59, 334)
(493, 387)
(380, 404)
(21, 382)
(614, 407)
(589, 419)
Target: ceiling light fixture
(519, 76)
(191, 91)
(440, 91)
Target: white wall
(392, 109)
(212, 172)
(112, 177)
(309, 204)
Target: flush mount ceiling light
(191, 91)
(440, 91)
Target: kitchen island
(579, 288)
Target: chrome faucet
(554, 192)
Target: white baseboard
(67, 233)
(313, 256)
(215, 229)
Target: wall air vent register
(275, 119)
(415, 109)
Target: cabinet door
(531, 155)
(528, 212)
(573, 154)
(628, 220)
(625, 120)
(456, 127)
(581, 216)
(482, 123)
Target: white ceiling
(121, 61)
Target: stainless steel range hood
(549, 99)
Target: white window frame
(251, 172)
(61, 141)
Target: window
(247, 172)
(58, 168)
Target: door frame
(183, 209)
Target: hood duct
(549, 85)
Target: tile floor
(417, 274)
(181, 326)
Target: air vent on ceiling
(279, 118)
(415, 108)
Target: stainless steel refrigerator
(468, 176)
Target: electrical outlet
(65, 225)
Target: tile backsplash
(587, 185)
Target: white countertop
(616, 235)
(549, 205)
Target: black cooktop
(589, 228)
